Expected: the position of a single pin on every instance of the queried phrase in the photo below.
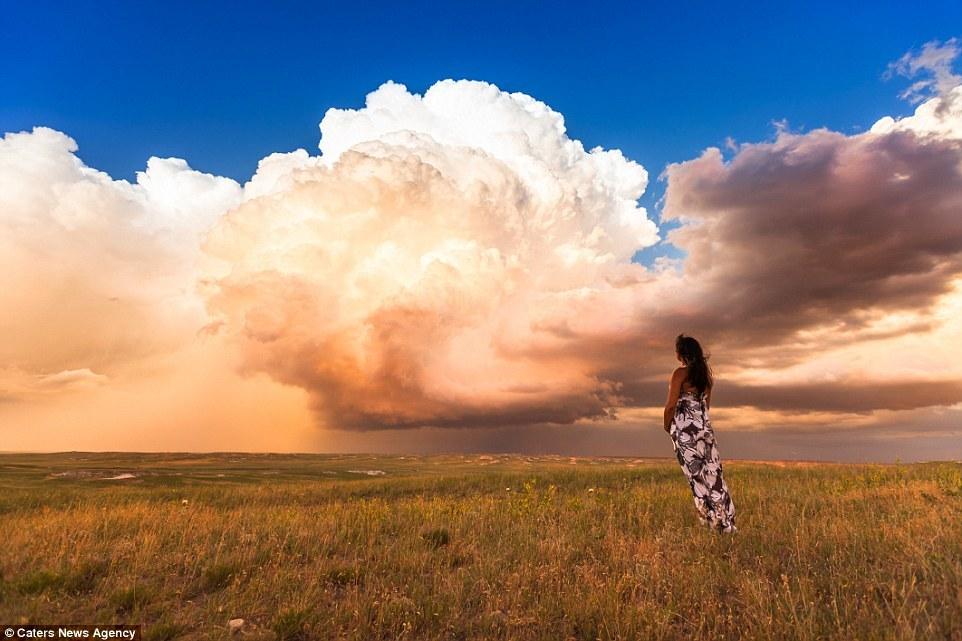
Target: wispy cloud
(935, 59)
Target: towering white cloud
(405, 275)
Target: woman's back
(690, 390)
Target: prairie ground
(477, 547)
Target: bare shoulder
(678, 374)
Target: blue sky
(224, 84)
(122, 289)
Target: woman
(692, 436)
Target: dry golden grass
(301, 547)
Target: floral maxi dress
(693, 440)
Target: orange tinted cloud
(98, 272)
(404, 277)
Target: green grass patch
(127, 600)
(293, 625)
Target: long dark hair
(696, 361)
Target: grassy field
(477, 547)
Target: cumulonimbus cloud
(403, 276)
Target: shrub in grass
(262, 557)
(292, 625)
(79, 580)
(40, 581)
(163, 631)
(460, 560)
(437, 537)
(84, 577)
(130, 599)
(342, 576)
(217, 577)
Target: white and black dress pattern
(693, 439)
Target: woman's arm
(708, 398)
(674, 393)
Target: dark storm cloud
(849, 397)
(817, 227)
